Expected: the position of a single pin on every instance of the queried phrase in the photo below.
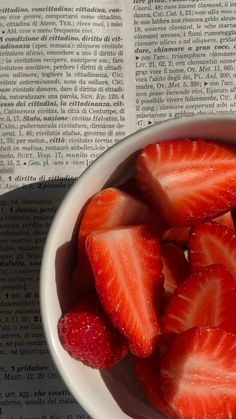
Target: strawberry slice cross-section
(110, 207)
(212, 242)
(189, 181)
(205, 298)
(127, 268)
(180, 234)
(198, 374)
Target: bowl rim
(82, 400)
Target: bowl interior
(113, 393)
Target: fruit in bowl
(135, 288)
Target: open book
(76, 77)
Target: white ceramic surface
(112, 394)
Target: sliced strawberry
(212, 242)
(188, 180)
(198, 374)
(127, 268)
(154, 219)
(88, 335)
(180, 234)
(148, 375)
(175, 267)
(206, 298)
(108, 208)
(226, 219)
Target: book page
(75, 78)
(185, 58)
(62, 88)
(62, 103)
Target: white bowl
(112, 393)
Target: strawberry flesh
(212, 242)
(226, 219)
(189, 181)
(110, 207)
(126, 263)
(180, 234)
(206, 298)
(198, 374)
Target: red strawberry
(180, 234)
(226, 219)
(188, 180)
(212, 242)
(127, 268)
(87, 334)
(108, 208)
(198, 374)
(206, 298)
(148, 374)
(175, 267)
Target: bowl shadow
(125, 390)
(65, 262)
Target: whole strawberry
(87, 334)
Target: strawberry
(198, 374)
(108, 208)
(175, 267)
(212, 242)
(180, 234)
(148, 375)
(127, 268)
(206, 298)
(87, 334)
(111, 207)
(226, 219)
(188, 181)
